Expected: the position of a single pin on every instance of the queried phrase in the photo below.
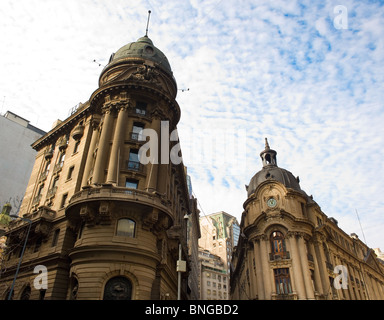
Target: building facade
(290, 249)
(214, 278)
(219, 235)
(108, 196)
(17, 157)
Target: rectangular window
(137, 131)
(38, 244)
(141, 108)
(55, 237)
(133, 162)
(76, 148)
(70, 171)
(63, 200)
(282, 281)
(129, 183)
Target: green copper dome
(143, 48)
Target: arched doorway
(118, 288)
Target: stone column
(252, 280)
(259, 272)
(265, 267)
(322, 268)
(101, 157)
(318, 283)
(305, 268)
(296, 268)
(88, 165)
(118, 139)
(152, 168)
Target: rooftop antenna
(146, 30)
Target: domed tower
(275, 228)
(129, 212)
(107, 204)
(289, 249)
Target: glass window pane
(131, 184)
(126, 228)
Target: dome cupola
(271, 171)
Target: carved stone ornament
(150, 219)
(105, 212)
(87, 214)
(145, 73)
(43, 229)
(118, 288)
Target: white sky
(254, 69)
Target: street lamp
(22, 253)
(181, 266)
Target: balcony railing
(134, 166)
(137, 136)
(279, 256)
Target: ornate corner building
(289, 249)
(104, 223)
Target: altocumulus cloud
(276, 69)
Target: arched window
(118, 288)
(126, 228)
(278, 244)
(26, 293)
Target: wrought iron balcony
(273, 256)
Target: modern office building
(17, 157)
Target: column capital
(106, 108)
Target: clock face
(271, 202)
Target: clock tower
(289, 249)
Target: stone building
(214, 278)
(290, 249)
(108, 197)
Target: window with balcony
(133, 162)
(278, 246)
(137, 131)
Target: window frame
(126, 234)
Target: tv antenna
(146, 30)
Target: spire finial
(266, 144)
(146, 30)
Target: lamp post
(181, 265)
(22, 253)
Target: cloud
(267, 69)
